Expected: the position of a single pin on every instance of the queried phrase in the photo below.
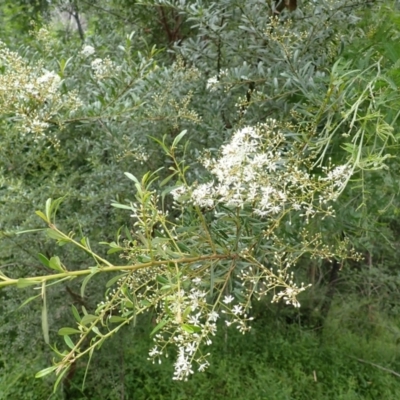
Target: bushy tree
(244, 142)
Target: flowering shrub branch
(203, 258)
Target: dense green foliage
(90, 91)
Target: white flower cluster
(212, 83)
(104, 68)
(259, 168)
(188, 322)
(88, 51)
(30, 94)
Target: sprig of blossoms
(104, 68)
(30, 94)
(258, 167)
(189, 322)
(88, 51)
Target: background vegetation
(330, 69)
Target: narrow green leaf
(159, 326)
(21, 283)
(95, 329)
(190, 328)
(69, 342)
(128, 293)
(76, 313)
(41, 215)
(43, 259)
(55, 235)
(187, 312)
(87, 319)
(128, 234)
(179, 138)
(114, 279)
(29, 231)
(167, 179)
(60, 377)
(54, 206)
(161, 143)
(123, 206)
(115, 250)
(87, 365)
(28, 301)
(48, 209)
(162, 279)
(115, 319)
(45, 322)
(145, 303)
(85, 282)
(132, 177)
(68, 331)
(85, 242)
(45, 371)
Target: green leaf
(41, 215)
(85, 282)
(145, 303)
(48, 209)
(55, 264)
(167, 179)
(28, 301)
(21, 283)
(123, 206)
(76, 313)
(162, 279)
(349, 147)
(161, 143)
(179, 138)
(95, 329)
(132, 177)
(29, 231)
(60, 377)
(115, 319)
(114, 279)
(45, 322)
(69, 342)
(87, 319)
(115, 250)
(187, 312)
(55, 235)
(43, 259)
(128, 234)
(68, 331)
(159, 326)
(45, 371)
(190, 328)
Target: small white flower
(196, 281)
(237, 309)
(212, 83)
(228, 299)
(194, 319)
(202, 367)
(190, 348)
(213, 316)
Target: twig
(377, 366)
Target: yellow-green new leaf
(68, 331)
(45, 371)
